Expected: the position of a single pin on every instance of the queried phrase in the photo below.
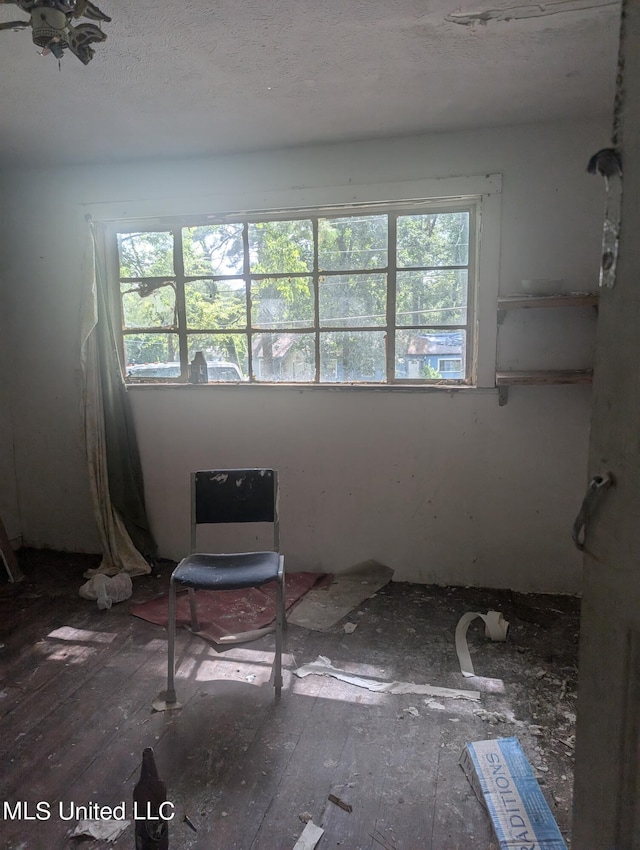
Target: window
(453, 364)
(345, 296)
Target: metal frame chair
(229, 496)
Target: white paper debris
(322, 667)
(107, 830)
(495, 717)
(311, 834)
(349, 628)
(495, 628)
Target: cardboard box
(503, 780)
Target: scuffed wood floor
(78, 683)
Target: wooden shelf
(508, 302)
(539, 377)
(548, 377)
(524, 302)
(544, 376)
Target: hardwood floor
(78, 683)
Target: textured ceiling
(196, 77)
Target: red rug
(231, 616)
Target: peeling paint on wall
(529, 10)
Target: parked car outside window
(217, 370)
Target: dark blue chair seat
(227, 572)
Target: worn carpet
(231, 616)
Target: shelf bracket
(503, 395)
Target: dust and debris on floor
(527, 683)
(249, 772)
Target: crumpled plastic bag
(109, 830)
(107, 589)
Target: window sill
(251, 387)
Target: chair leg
(195, 623)
(171, 688)
(280, 621)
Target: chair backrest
(234, 495)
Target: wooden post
(8, 556)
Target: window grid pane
(355, 298)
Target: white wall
(443, 487)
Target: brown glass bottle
(150, 807)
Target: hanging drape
(115, 473)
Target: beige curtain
(119, 554)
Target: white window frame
(484, 190)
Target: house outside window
(366, 295)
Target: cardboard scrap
(503, 781)
(322, 608)
(107, 830)
(309, 838)
(322, 667)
